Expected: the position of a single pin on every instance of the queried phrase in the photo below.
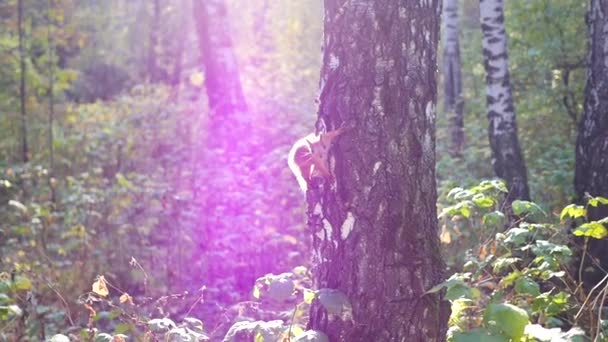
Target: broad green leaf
(525, 285)
(22, 283)
(494, 219)
(184, 334)
(516, 236)
(542, 334)
(479, 335)
(194, 323)
(59, 338)
(595, 201)
(483, 201)
(335, 302)
(463, 194)
(454, 191)
(161, 324)
(309, 296)
(544, 247)
(503, 262)
(104, 337)
(526, 207)
(509, 319)
(510, 279)
(592, 229)
(573, 211)
(312, 336)
(281, 288)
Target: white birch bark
(507, 158)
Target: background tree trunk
(507, 158)
(51, 71)
(22, 85)
(375, 232)
(454, 103)
(591, 174)
(153, 42)
(221, 71)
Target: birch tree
(591, 174)
(452, 83)
(507, 159)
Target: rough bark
(453, 101)
(221, 72)
(507, 158)
(591, 174)
(374, 227)
(22, 84)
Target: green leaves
(526, 207)
(312, 336)
(507, 319)
(478, 335)
(573, 211)
(595, 201)
(278, 287)
(594, 229)
(457, 287)
(335, 302)
(161, 324)
(526, 285)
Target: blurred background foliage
(120, 198)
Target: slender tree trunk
(374, 228)
(51, 47)
(22, 84)
(507, 158)
(154, 31)
(221, 71)
(454, 102)
(591, 174)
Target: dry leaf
(483, 252)
(126, 298)
(446, 237)
(100, 287)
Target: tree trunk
(51, 66)
(221, 72)
(22, 85)
(154, 32)
(591, 174)
(507, 158)
(454, 103)
(374, 228)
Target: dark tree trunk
(454, 103)
(591, 174)
(22, 85)
(507, 158)
(221, 71)
(374, 228)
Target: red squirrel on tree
(308, 157)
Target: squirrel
(308, 157)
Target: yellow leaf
(100, 287)
(126, 298)
(196, 79)
(309, 296)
